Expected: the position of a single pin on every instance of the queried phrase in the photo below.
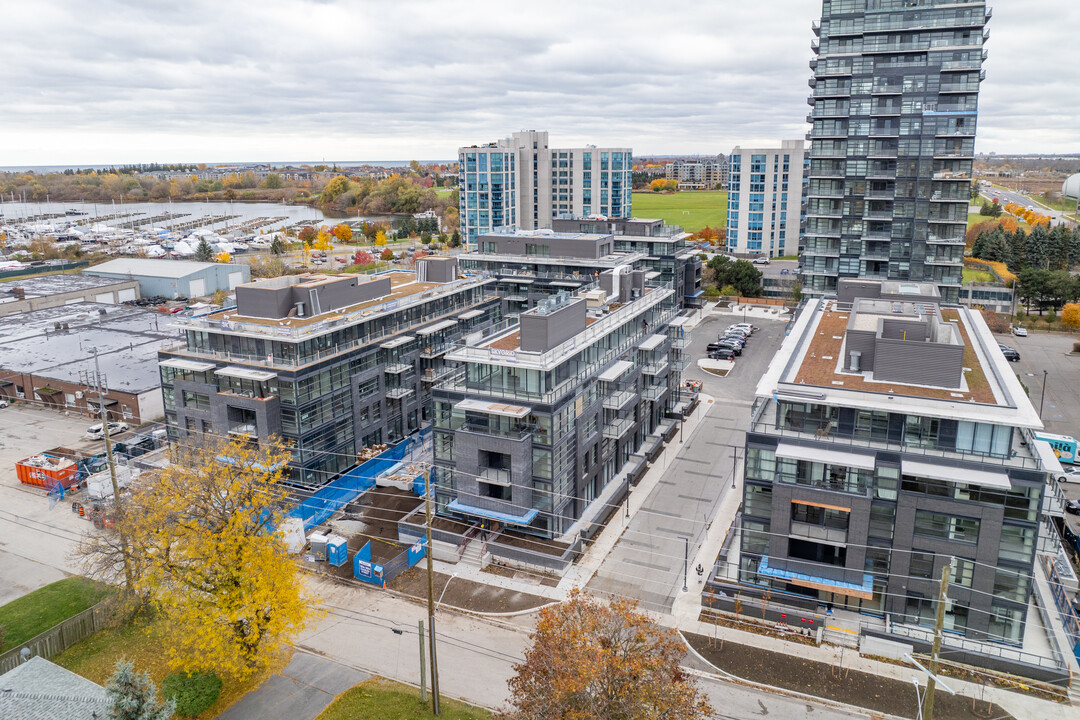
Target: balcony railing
(656, 368)
(397, 393)
(837, 536)
(617, 428)
(619, 400)
(496, 476)
(395, 368)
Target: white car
(1020, 332)
(3, 403)
(1071, 474)
(97, 432)
(761, 260)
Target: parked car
(1070, 474)
(1010, 354)
(733, 347)
(762, 260)
(1020, 332)
(732, 336)
(3, 403)
(722, 354)
(97, 432)
(785, 271)
(743, 326)
(1072, 507)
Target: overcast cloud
(114, 82)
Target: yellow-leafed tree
(210, 560)
(343, 232)
(223, 257)
(323, 242)
(380, 238)
(1070, 315)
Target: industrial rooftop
(148, 266)
(45, 285)
(57, 343)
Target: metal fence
(59, 637)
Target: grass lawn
(380, 699)
(970, 276)
(1060, 204)
(692, 210)
(33, 614)
(974, 218)
(443, 192)
(145, 641)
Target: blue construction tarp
(318, 508)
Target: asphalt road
(1011, 196)
(648, 561)
(377, 633)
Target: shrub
(193, 693)
(1051, 317)
(729, 290)
(711, 291)
(999, 269)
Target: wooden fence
(59, 637)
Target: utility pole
(939, 625)
(423, 682)
(431, 595)
(734, 465)
(1042, 399)
(101, 387)
(686, 564)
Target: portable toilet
(337, 550)
(317, 540)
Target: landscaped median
(380, 699)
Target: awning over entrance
(865, 591)
(526, 519)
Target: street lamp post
(686, 563)
(1042, 398)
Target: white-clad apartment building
(522, 181)
(765, 189)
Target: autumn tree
(363, 257)
(223, 257)
(273, 181)
(343, 232)
(387, 255)
(594, 661)
(322, 240)
(1070, 315)
(307, 234)
(380, 238)
(333, 189)
(210, 562)
(664, 184)
(707, 234)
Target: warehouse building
(45, 356)
(45, 291)
(174, 278)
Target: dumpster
(46, 471)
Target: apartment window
(198, 401)
(946, 527)
(961, 572)
(1017, 543)
(922, 565)
(1012, 585)
(983, 439)
(757, 501)
(1006, 624)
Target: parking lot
(36, 541)
(1050, 352)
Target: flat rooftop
(127, 340)
(405, 288)
(810, 366)
(45, 285)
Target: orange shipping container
(44, 471)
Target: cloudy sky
(115, 82)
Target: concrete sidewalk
(307, 685)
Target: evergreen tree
(455, 239)
(996, 247)
(134, 695)
(278, 246)
(1037, 250)
(1017, 243)
(204, 253)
